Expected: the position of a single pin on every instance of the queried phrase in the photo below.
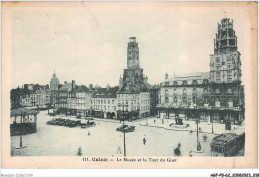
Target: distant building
(211, 96)
(154, 99)
(81, 94)
(54, 83)
(133, 95)
(72, 102)
(61, 95)
(104, 102)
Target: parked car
(126, 128)
(83, 125)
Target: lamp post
(197, 122)
(124, 130)
(212, 123)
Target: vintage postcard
(129, 84)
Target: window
(218, 77)
(194, 90)
(166, 92)
(194, 100)
(175, 100)
(184, 101)
(205, 100)
(166, 99)
(194, 82)
(217, 90)
(184, 90)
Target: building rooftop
(129, 88)
(105, 92)
(190, 76)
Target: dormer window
(166, 92)
(194, 82)
(175, 83)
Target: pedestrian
(88, 133)
(118, 149)
(190, 153)
(144, 140)
(154, 121)
(199, 129)
(190, 132)
(162, 121)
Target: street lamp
(212, 123)
(198, 143)
(124, 130)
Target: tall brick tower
(133, 78)
(225, 64)
(132, 53)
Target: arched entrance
(113, 115)
(109, 115)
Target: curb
(176, 129)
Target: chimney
(90, 87)
(108, 86)
(73, 84)
(166, 76)
(120, 82)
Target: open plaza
(103, 139)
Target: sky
(87, 42)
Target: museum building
(216, 95)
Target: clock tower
(225, 64)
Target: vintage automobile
(83, 125)
(91, 124)
(126, 128)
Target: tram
(227, 144)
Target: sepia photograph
(139, 83)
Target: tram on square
(227, 144)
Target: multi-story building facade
(62, 94)
(72, 102)
(214, 96)
(154, 99)
(104, 102)
(133, 94)
(81, 101)
(26, 100)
